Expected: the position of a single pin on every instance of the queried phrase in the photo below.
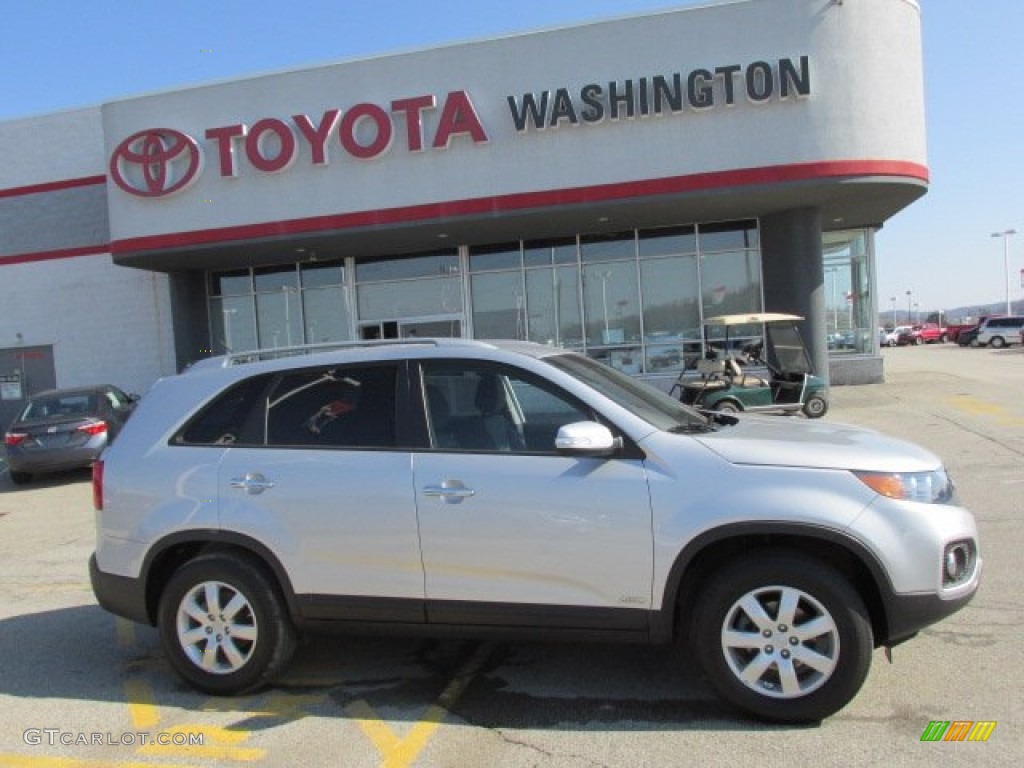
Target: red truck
(926, 333)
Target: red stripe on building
(526, 200)
(53, 186)
(62, 253)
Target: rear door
(514, 533)
(328, 487)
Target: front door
(514, 533)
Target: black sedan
(64, 429)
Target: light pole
(893, 300)
(909, 306)
(1005, 234)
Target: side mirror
(586, 438)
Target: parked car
(931, 333)
(968, 336)
(489, 488)
(887, 338)
(907, 334)
(1000, 331)
(64, 429)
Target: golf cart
(726, 385)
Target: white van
(1000, 331)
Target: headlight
(927, 487)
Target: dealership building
(604, 187)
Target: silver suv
(1000, 331)
(494, 487)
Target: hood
(794, 442)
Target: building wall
(58, 283)
(107, 324)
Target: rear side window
(343, 407)
(234, 417)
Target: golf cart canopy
(753, 318)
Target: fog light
(958, 560)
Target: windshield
(643, 400)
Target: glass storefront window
(611, 303)
(319, 275)
(671, 297)
(440, 264)
(544, 253)
(233, 321)
(234, 283)
(620, 246)
(499, 306)
(275, 278)
(489, 258)
(848, 302)
(326, 314)
(553, 306)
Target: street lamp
(1005, 234)
(893, 300)
(909, 306)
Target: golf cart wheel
(815, 407)
(782, 636)
(727, 406)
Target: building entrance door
(438, 326)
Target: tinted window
(476, 407)
(235, 416)
(343, 407)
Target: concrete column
(794, 280)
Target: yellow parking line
(978, 407)
(402, 752)
(142, 708)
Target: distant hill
(963, 314)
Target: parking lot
(81, 688)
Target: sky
(62, 54)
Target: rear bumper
(121, 595)
(52, 461)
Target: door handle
(449, 491)
(253, 483)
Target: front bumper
(121, 595)
(906, 615)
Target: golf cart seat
(742, 379)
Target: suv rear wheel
(998, 342)
(224, 626)
(783, 637)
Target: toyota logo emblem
(156, 162)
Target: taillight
(14, 438)
(97, 485)
(93, 428)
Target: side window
(235, 416)
(343, 407)
(477, 407)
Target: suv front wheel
(783, 637)
(224, 626)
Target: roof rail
(274, 353)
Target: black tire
(727, 406)
(20, 478)
(997, 342)
(815, 407)
(825, 597)
(263, 616)
(918, 341)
